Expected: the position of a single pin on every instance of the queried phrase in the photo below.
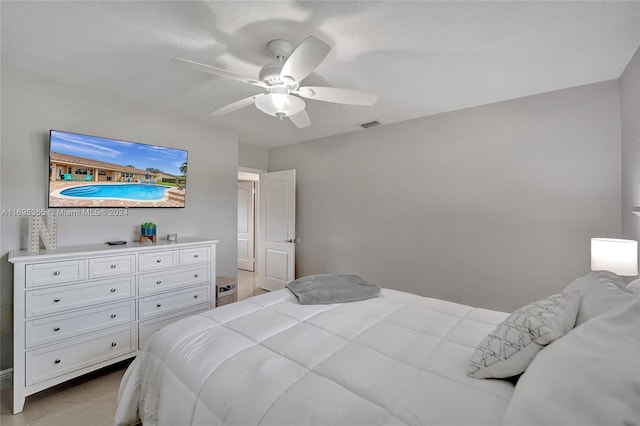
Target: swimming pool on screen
(137, 191)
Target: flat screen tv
(91, 171)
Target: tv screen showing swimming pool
(91, 171)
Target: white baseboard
(6, 378)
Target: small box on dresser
(78, 309)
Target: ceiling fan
(281, 79)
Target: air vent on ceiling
(370, 124)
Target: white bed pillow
(601, 291)
(591, 376)
(510, 347)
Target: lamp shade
(615, 255)
(279, 104)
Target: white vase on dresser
(78, 309)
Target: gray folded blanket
(332, 288)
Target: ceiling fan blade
(301, 119)
(305, 58)
(236, 105)
(219, 72)
(338, 95)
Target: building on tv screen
(90, 171)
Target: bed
(397, 359)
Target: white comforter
(395, 359)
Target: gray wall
(6, 304)
(253, 157)
(30, 109)
(630, 114)
(491, 206)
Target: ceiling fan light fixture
(279, 104)
(281, 80)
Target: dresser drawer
(161, 281)
(40, 274)
(147, 328)
(195, 255)
(158, 260)
(103, 267)
(154, 306)
(52, 361)
(52, 329)
(61, 298)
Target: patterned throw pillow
(510, 347)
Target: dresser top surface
(103, 249)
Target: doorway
(246, 225)
(248, 276)
(266, 228)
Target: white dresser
(78, 309)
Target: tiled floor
(89, 400)
(248, 284)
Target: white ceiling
(422, 58)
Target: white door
(277, 229)
(246, 205)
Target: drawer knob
(114, 344)
(56, 300)
(159, 282)
(56, 328)
(113, 315)
(113, 290)
(158, 305)
(195, 256)
(57, 361)
(113, 266)
(195, 275)
(158, 260)
(195, 296)
(56, 273)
